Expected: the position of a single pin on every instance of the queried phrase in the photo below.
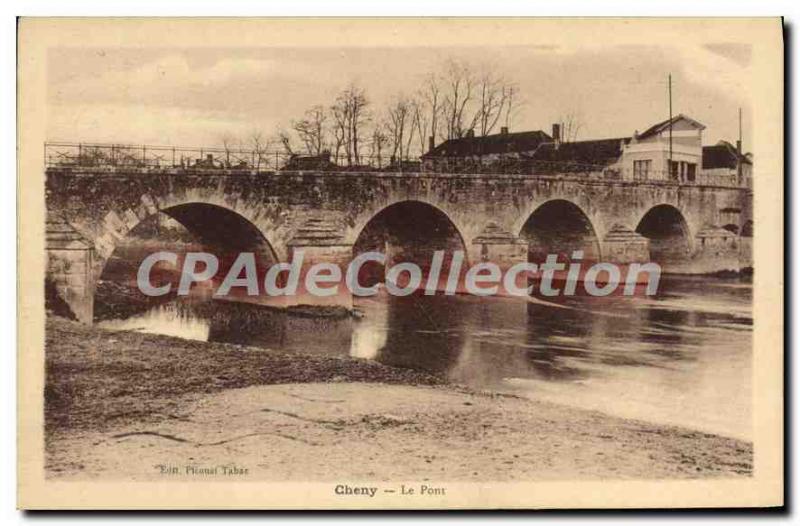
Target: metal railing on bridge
(99, 155)
(148, 158)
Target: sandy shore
(114, 410)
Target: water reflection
(683, 357)
(172, 319)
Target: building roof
(490, 144)
(537, 146)
(664, 125)
(600, 152)
(722, 155)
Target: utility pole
(669, 166)
(740, 123)
(739, 152)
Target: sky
(195, 96)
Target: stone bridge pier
(329, 215)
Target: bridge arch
(668, 231)
(106, 233)
(410, 230)
(560, 226)
(213, 227)
(464, 229)
(222, 226)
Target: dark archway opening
(218, 227)
(193, 227)
(668, 234)
(409, 231)
(561, 228)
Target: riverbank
(126, 405)
(98, 378)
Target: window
(641, 169)
(691, 172)
(673, 170)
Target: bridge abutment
(716, 249)
(499, 246)
(70, 270)
(623, 245)
(319, 239)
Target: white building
(671, 150)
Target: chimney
(557, 134)
(430, 143)
(504, 130)
(470, 133)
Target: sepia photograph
(401, 263)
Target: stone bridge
(687, 228)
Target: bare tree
(228, 142)
(311, 130)
(410, 132)
(513, 104)
(378, 141)
(460, 99)
(419, 123)
(339, 131)
(429, 108)
(94, 156)
(451, 100)
(458, 85)
(285, 140)
(359, 116)
(342, 130)
(259, 146)
(351, 112)
(399, 126)
(493, 95)
(571, 124)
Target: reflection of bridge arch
(668, 232)
(559, 226)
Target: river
(683, 357)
